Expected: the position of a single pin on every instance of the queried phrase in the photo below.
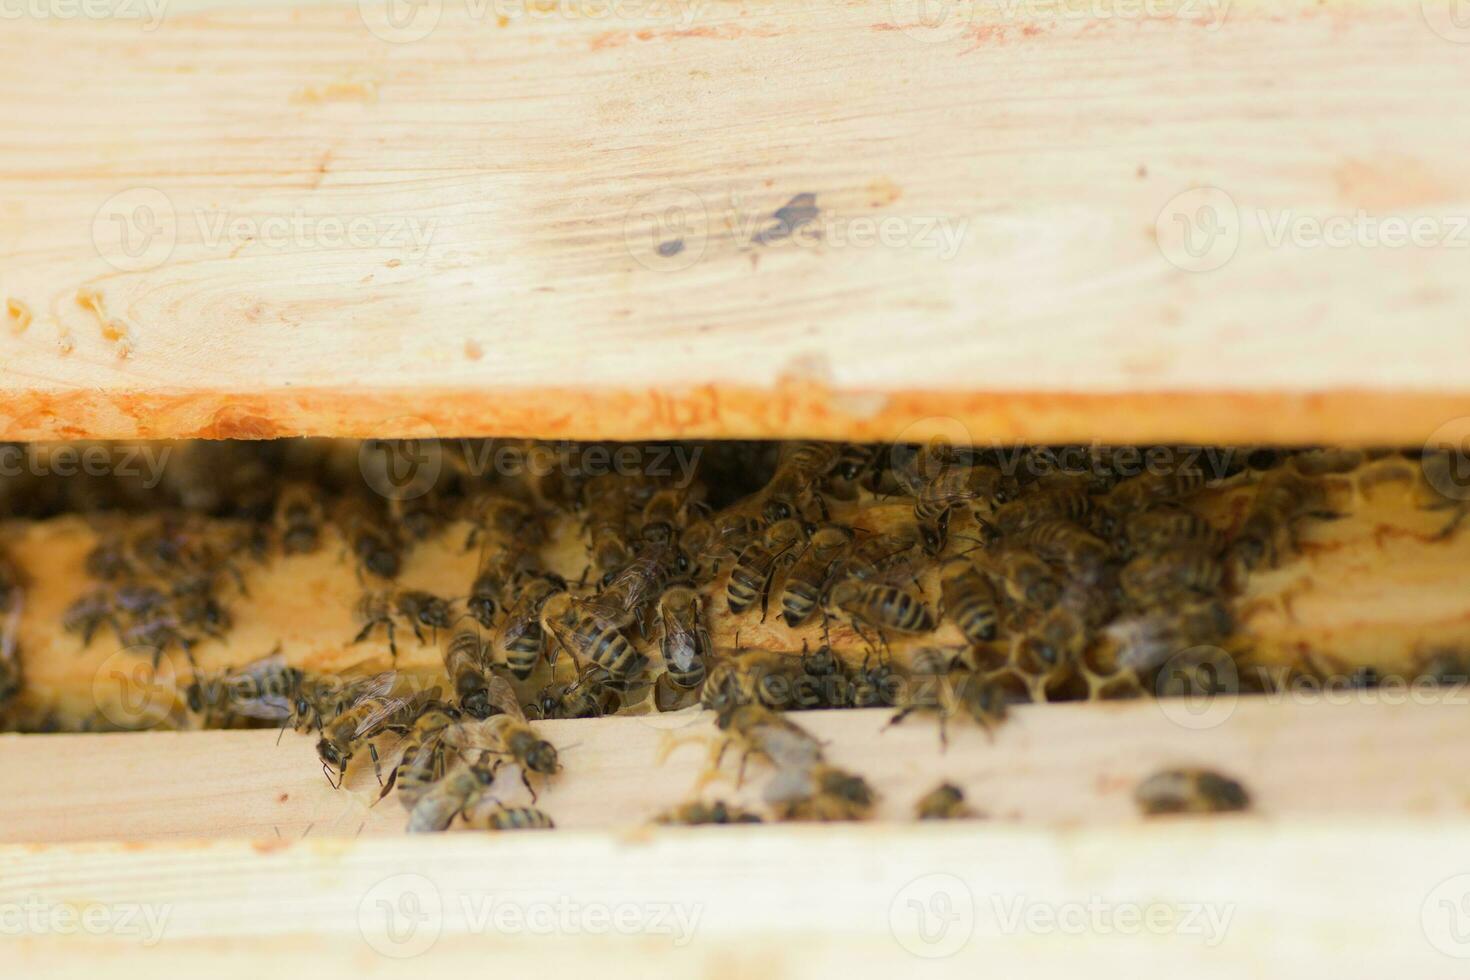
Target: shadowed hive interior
(154, 584)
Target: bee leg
(363, 633)
(388, 786)
(526, 782)
(392, 641)
(377, 768)
(418, 633)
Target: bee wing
(391, 707)
(789, 783)
(790, 747)
(503, 696)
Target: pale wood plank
(537, 146)
(1361, 899)
(1305, 756)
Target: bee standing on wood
(419, 609)
(1190, 791)
(944, 802)
(589, 696)
(458, 791)
(509, 734)
(699, 813)
(820, 793)
(513, 818)
(373, 712)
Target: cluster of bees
(1007, 574)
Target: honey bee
(819, 793)
(766, 734)
(757, 565)
(298, 519)
(606, 499)
(589, 696)
(685, 642)
(1268, 531)
(799, 467)
(1064, 543)
(667, 512)
(590, 641)
(1146, 489)
(958, 693)
(699, 813)
(952, 483)
(373, 543)
(712, 541)
(1027, 580)
(511, 735)
(823, 682)
(1062, 503)
(419, 609)
(875, 685)
(373, 712)
(513, 818)
(1054, 644)
(468, 666)
(1190, 791)
(1169, 527)
(883, 608)
(752, 676)
(425, 753)
(502, 518)
(627, 592)
(944, 802)
(459, 790)
(266, 689)
(1145, 642)
(812, 572)
(521, 638)
(108, 560)
(967, 598)
(1168, 575)
(89, 612)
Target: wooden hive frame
(304, 218)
